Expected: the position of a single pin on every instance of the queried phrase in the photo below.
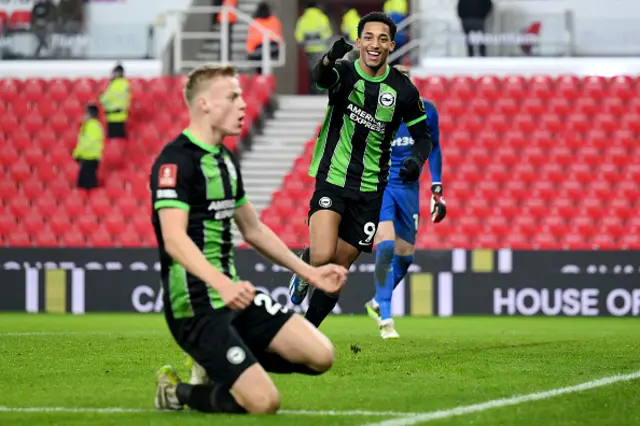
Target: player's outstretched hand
(329, 278)
(239, 295)
(410, 170)
(438, 206)
(339, 49)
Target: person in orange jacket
(263, 18)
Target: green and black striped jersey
(205, 181)
(353, 149)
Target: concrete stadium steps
(281, 141)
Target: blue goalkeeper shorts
(401, 205)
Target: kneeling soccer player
(235, 334)
(400, 219)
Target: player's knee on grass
(255, 391)
(299, 342)
(322, 354)
(264, 403)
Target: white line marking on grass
(504, 402)
(116, 410)
(348, 413)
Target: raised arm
(324, 73)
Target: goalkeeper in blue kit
(400, 220)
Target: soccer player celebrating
(367, 102)
(233, 333)
(400, 219)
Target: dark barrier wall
(443, 283)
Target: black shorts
(117, 130)
(360, 212)
(225, 342)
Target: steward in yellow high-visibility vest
(349, 28)
(116, 100)
(350, 21)
(88, 152)
(314, 32)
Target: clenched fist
(329, 278)
(239, 295)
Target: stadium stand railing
(180, 63)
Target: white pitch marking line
(504, 402)
(116, 410)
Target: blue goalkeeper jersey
(402, 147)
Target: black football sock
(320, 305)
(208, 398)
(274, 363)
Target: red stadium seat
(32, 189)
(506, 106)
(8, 123)
(45, 204)
(8, 190)
(127, 207)
(516, 241)
(129, 238)
(488, 87)
(7, 224)
(58, 90)
(20, 171)
(60, 224)
(621, 87)
(100, 238)
(567, 86)
(560, 106)
(100, 204)
(10, 90)
(114, 225)
(73, 238)
(544, 241)
(17, 238)
(541, 87)
(21, 108)
(630, 241)
(58, 123)
(86, 224)
(533, 106)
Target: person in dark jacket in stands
(70, 24)
(43, 18)
(473, 15)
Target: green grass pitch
(62, 369)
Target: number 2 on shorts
(270, 305)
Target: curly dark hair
(378, 17)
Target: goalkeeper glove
(410, 171)
(339, 49)
(438, 206)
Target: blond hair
(202, 75)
